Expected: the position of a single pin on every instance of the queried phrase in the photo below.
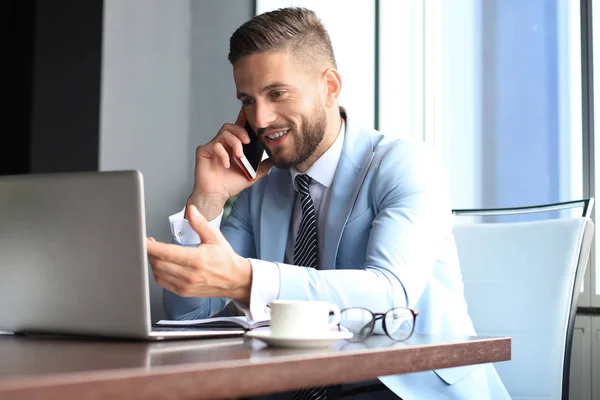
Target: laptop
(73, 257)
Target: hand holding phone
(215, 179)
(253, 154)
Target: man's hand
(212, 269)
(216, 177)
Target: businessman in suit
(376, 207)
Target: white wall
(166, 88)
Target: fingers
(221, 153)
(234, 143)
(166, 279)
(167, 285)
(264, 167)
(177, 274)
(235, 130)
(207, 234)
(176, 278)
(170, 252)
(228, 142)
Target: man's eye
(246, 102)
(277, 94)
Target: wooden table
(32, 368)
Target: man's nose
(264, 116)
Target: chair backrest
(522, 280)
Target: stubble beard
(306, 141)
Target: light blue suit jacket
(388, 243)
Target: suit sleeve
(412, 221)
(237, 227)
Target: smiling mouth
(277, 135)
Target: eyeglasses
(398, 323)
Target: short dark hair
(294, 29)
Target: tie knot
(302, 182)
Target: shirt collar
(323, 169)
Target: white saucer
(322, 340)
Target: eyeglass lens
(359, 321)
(399, 323)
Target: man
(376, 207)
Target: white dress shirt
(265, 274)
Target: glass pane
(401, 67)
(510, 120)
(596, 73)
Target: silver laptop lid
(73, 254)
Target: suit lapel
(279, 195)
(353, 165)
(276, 213)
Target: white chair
(522, 280)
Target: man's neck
(334, 125)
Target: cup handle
(337, 316)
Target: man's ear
(333, 82)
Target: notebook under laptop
(73, 257)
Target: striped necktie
(305, 249)
(305, 255)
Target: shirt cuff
(182, 232)
(264, 289)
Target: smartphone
(253, 154)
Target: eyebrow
(265, 89)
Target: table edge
(272, 374)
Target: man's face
(283, 104)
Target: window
(509, 123)
(507, 109)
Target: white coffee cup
(301, 319)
